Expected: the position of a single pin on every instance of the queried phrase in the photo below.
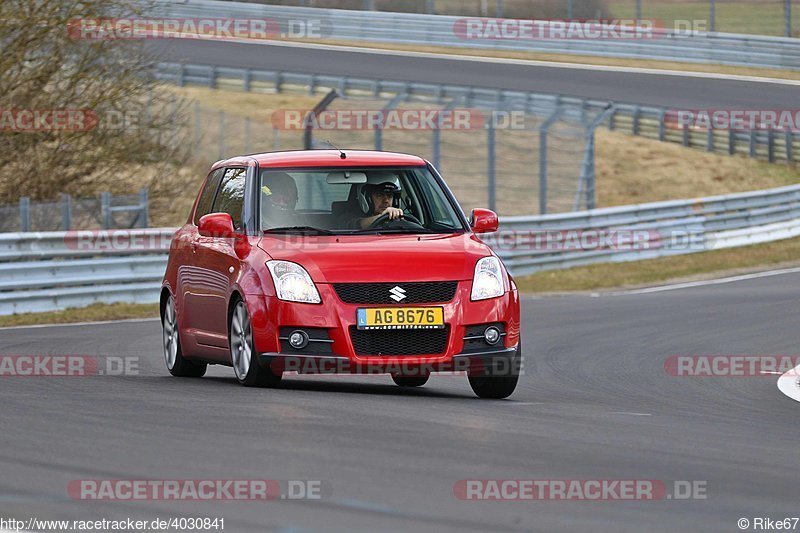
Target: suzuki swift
(338, 262)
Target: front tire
(173, 355)
(492, 387)
(243, 356)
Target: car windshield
(355, 201)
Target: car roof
(325, 158)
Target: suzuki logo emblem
(398, 294)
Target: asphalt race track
(650, 89)
(595, 403)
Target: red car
(348, 262)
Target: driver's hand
(393, 212)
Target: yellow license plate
(401, 318)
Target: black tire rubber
(498, 387)
(257, 376)
(183, 368)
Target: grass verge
(93, 313)
(690, 267)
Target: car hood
(380, 258)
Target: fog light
(491, 335)
(298, 340)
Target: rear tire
(498, 387)
(410, 381)
(244, 359)
(173, 355)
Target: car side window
(230, 198)
(207, 196)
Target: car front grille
(381, 293)
(399, 341)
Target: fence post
(710, 139)
(752, 150)
(499, 9)
(637, 112)
(712, 15)
(278, 82)
(731, 142)
(543, 159)
(771, 145)
(144, 202)
(492, 165)
(662, 126)
(212, 79)
(429, 7)
(247, 135)
(311, 118)
(221, 134)
(66, 212)
(197, 120)
(105, 209)
(638, 10)
(248, 80)
(24, 214)
(570, 10)
(686, 135)
(182, 75)
(787, 15)
(789, 146)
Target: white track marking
(81, 324)
(704, 283)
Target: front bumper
(497, 362)
(271, 316)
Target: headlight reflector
(292, 282)
(488, 280)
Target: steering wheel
(384, 219)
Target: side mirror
(217, 225)
(484, 221)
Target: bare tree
(131, 125)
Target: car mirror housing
(218, 225)
(484, 221)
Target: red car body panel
(204, 274)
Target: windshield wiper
(300, 230)
(384, 231)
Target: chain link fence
(106, 212)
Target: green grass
(762, 17)
(718, 263)
(93, 313)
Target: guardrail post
(789, 147)
(212, 79)
(278, 82)
(66, 212)
(710, 139)
(686, 135)
(637, 112)
(221, 134)
(312, 84)
(105, 209)
(771, 145)
(611, 120)
(731, 142)
(492, 164)
(248, 75)
(24, 214)
(181, 81)
(144, 213)
(752, 150)
(662, 134)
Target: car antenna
(341, 152)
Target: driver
(378, 197)
(278, 198)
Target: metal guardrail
(440, 30)
(56, 270)
(646, 121)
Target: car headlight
(293, 283)
(488, 280)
